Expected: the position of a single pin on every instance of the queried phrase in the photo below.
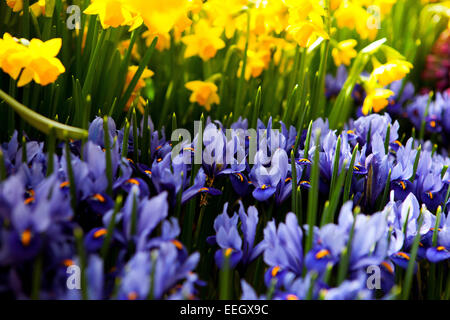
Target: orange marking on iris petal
(148, 172)
(31, 192)
(398, 143)
(64, 184)
(356, 168)
(305, 182)
(288, 179)
(403, 255)
(25, 237)
(350, 132)
(228, 252)
(99, 233)
(189, 149)
(264, 187)
(322, 254)
(291, 297)
(131, 160)
(275, 271)
(158, 147)
(159, 160)
(433, 124)
(29, 200)
(133, 181)
(387, 266)
(430, 194)
(98, 197)
(177, 244)
(440, 248)
(132, 296)
(67, 262)
(403, 184)
(240, 177)
(203, 189)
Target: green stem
(42, 123)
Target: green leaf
(42, 123)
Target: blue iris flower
(283, 249)
(442, 251)
(239, 250)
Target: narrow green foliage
(349, 177)
(70, 176)
(406, 289)
(111, 226)
(225, 279)
(337, 155)
(109, 173)
(144, 62)
(416, 164)
(126, 134)
(313, 195)
(135, 138)
(51, 141)
(79, 239)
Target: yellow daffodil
(384, 5)
(344, 52)
(33, 60)
(15, 5)
(354, 16)
(10, 48)
(115, 13)
(37, 8)
(257, 61)
(376, 100)
(160, 16)
(306, 32)
(195, 6)
(222, 14)
(205, 42)
(272, 15)
(140, 84)
(334, 4)
(299, 10)
(391, 71)
(42, 66)
(203, 93)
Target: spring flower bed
(250, 150)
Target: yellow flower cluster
(344, 52)
(383, 75)
(135, 96)
(158, 16)
(204, 93)
(37, 8)
(270, 29)
(306, 21)
(32, 60)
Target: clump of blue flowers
(313, 218)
